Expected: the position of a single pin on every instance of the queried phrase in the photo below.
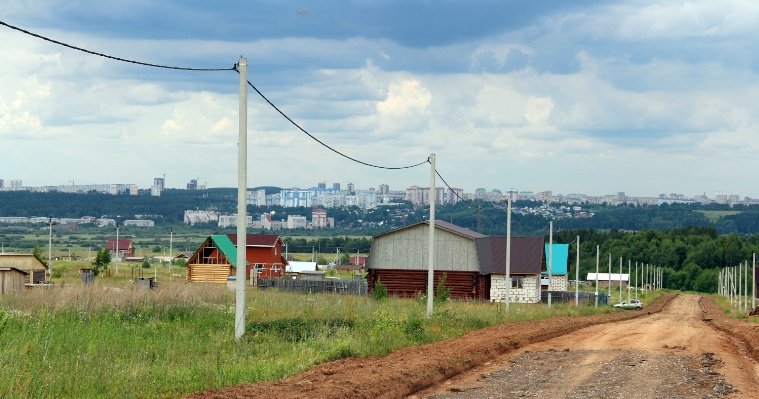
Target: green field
(115, 340)
(714, 216)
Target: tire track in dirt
(677, 340)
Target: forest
(691, 257)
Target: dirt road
(671, 354)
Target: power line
(111, 56)
(325, 144)
(470, 203)
(233, 68)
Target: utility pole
(609, 296)
(636, 279)
(753, 286)
(508, 251)
(745, 285)
(550, 259)
(577, 274)
(171, 250)
(117, 248)
(242, 184)
(50, 253)
(742, 286)
(620, 279)
(598, 254)
(431, 244)
(629, 278)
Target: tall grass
(123, 342)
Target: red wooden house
(216, 259)
(124, 246)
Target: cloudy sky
(592, 97)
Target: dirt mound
(747, 333)
(408, 370)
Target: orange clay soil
(409, 370)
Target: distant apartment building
(296, 222)
(420, 196)
(350, 188)
(193, 184)
(293, 198)
(384, 189)
(139, 223)
(193, 217)
(322, 185)
(453, 195)
(17, 183)
(231, 220)
(2, 183)
(336, 186)
(256, 197)
(319, 219)
(159, 184)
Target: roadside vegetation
(115, 340)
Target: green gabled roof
(226, 247)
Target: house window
(259, 266)
(517, 281)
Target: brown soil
(671, 354)
(409, 370)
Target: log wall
(411, 283)
(200, 273)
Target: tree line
(691, 257)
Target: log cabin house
(216, 259)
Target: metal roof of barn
(526, 255)
(439, 224)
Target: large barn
(471, 262)
(216, 259)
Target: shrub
(379, 292)
(442, 293)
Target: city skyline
(193, 184)
(588, 97)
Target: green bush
(379, 292)
(442, 293)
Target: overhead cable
(470, 203)
(325, 144)
(84, 50)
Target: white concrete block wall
(559, 283)
(527, 294)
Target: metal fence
(337, 286)
(569, 296)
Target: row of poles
(733, 284)
(647, 277)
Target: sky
(594, 97)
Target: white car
(631, 304)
